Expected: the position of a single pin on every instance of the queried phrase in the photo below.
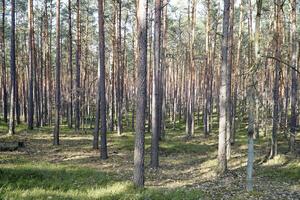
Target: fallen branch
(283, 62)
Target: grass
(188, 167)
(49, 181)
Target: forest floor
(73, 170)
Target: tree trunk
(13, 86)
(70, 114)
(3, 65)
(237, 75)
(78, 60)
(141, 100)
(294, 87)
(57, 76)
(101, 98)
(31, 66)
(277, 39)
(228, 85)
(155, 87)
(222, 162)
(119, 72)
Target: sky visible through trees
(209, 88)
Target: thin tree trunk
(294, 87)
(78, 60)
(70, 108)
(57, 76)
(3, 65)
(119, 71)
(228, 85)
(31, 66)
(155, 87)
(236, 75)
(13, 86)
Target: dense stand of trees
(160, 65)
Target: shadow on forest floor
(73, 170)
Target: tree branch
(283, 62)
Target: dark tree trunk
(228, 84)
(70, 108)
(57, 76)
(78, 57)
(13, 86)
(156, 87)
(3, 65)
(101, 98)
(119, 71)
(294, 86)
(277, 38)
(31, 66)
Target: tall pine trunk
(156, 129)
(223, 101)
(13, 86)
(3, 65)
(57, 77)
(294, 87)
(141, 100)
(101, 98)
(31, 66)
(70, 62)
(78, 60)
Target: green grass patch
(49, 181)
(287, 172)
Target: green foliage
(285, 172)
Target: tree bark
(277, 39)
(156, 130)
(101, 98)
(78, 60)
(70, 109)
(223, 101)
(57, 76)
(13, 86)
(3, 65)
(294, 86)
(141, 100)
(31, 66)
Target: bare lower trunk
(57, 76)
(222, 162)
(141, 100)
(294, 86)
